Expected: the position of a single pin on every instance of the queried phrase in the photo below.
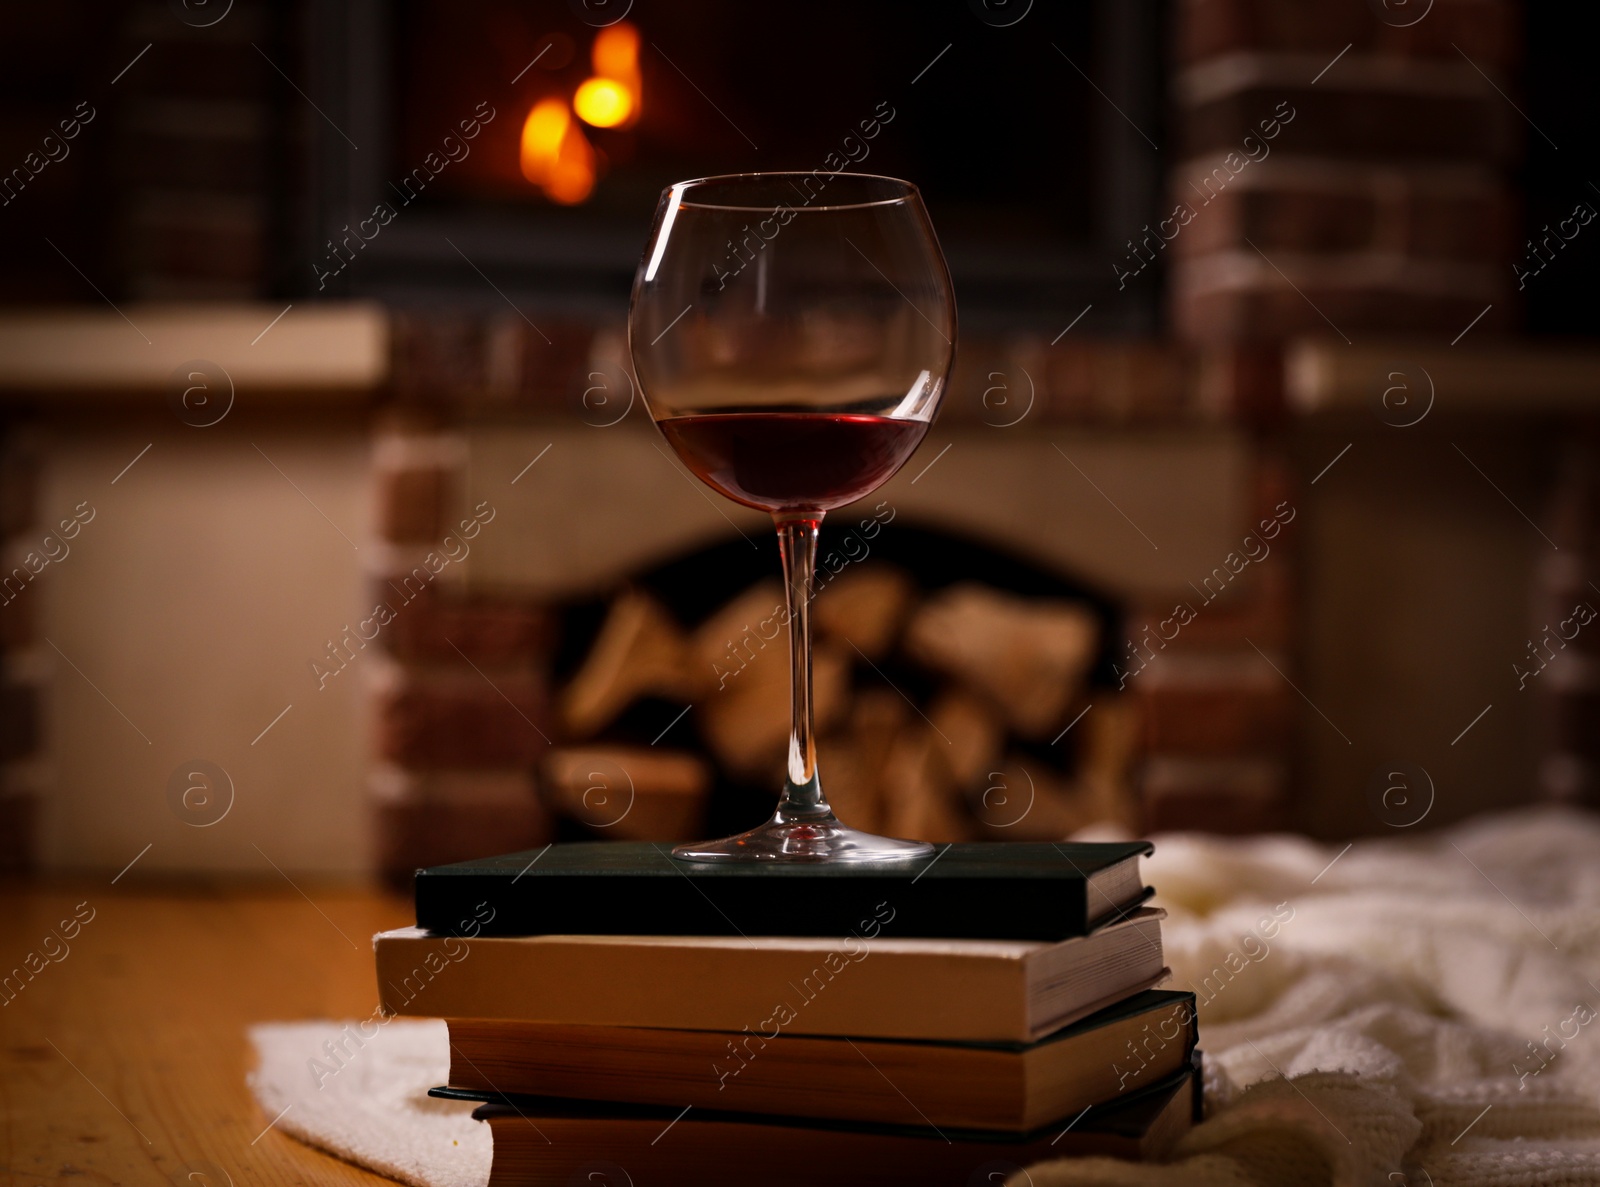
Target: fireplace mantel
(1194, 443)
(1518, 377)
(347, 350)
(88, 354)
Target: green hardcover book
(979, 890)
(539, 1141)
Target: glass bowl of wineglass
(792, 334)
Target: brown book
(961, 990)
(1014, 1087)
(539, 1142)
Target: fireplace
(950, 678)
(532, 166)
(601, 656)
(504, 303)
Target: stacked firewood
(964, 713)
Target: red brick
(1277, 312)
(1229, 795)
(414, 834)
(1115, 382)
(1372, 125)
(215, 165)
(1275, 484)
(1219, 809)
(1242, 382)
(225, 70)
(1573, 721)
(19, 491)
(438, 358)
(1260, 609)
(18, 818)
(1298, 219)
(555, 367)
(1208, 28)
(1217, 222)
(1471, 227)
(1488, 30)
(488, 631)
(981, 365)
(173, 245)
(411, 502)
(629, 793)
(1081, 380)
(436, 718)
(462, 361)
(20, 720)
(408, 420)
(19, 621)
(1214, 721)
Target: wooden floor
(124, 1060)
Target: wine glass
(792, 333)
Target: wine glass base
(824, 840)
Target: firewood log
(1027, 800)
(867, 606)
(920, 802)
(855, 755)
(746, 722)
(640, 650)
(753, 625)
(1108, 754)
(628, 792)
(974, 732)
(1029, 655)
(851, 784)
(1102, 790)
(876, 718)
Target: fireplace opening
(521, 143)
(952, 684)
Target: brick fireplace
(583, 500)
(1296, 563)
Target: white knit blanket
(1405, 1012)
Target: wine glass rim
(680, 189)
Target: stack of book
(625, 1017)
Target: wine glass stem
(797, 539)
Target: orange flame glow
(611, 99)
(616, 52)
(603, 102)
(556, 156)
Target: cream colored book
(959, 990)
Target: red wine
(793, 461)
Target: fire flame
(603, 102)
(556, 155)
(616, 52)
(615, 90)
